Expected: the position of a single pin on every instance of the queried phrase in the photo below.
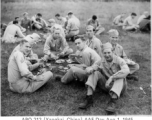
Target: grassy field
(57, 99)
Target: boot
(87, 103)
(111, 106)
(132, 77)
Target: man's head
(15, 22)
(122, 15)
(89, 31)
(146, 14)
(25, 15)
(32, 38)
(17, 18)
(107, 52)
(57, 33)
(133, 15)
(94, 17)
(58, 17)
(114, 36)
(25, 47)
(51, 22)
(38, 15)
(80, 43)
(70, 14)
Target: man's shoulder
(118, 59)
(119, 46)
(97, 40)
(18, 53)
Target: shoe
(87, 103)
(132, 77)
(111, 107)
(58, 78)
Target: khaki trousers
(72, 34)
(118, 86)
(25, 85)
(76, 73)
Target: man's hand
(34, 77)
(108, 82)
(89, 70)
(54, 56)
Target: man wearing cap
(128, 23)
(20, 77)
(110, 78)
(89, 61)
(98, 29)
(26, 21)
(55, 44)
(92, 41)
(118, 20)
(73, 26)
(119, 51)
(11, 31)
(32, 39)
(61, 20)
(53, 25)
(38, 22)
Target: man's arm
(19, 32)
(23, 68)
(123, 72)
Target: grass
(54, 98)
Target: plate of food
(60, 61)
(69, 61)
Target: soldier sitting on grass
(119, 51)
(20, 77)
(56, 46)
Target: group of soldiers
(105, 65)
(142, 24)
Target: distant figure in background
(26, 21)
(11, 31)
(61, 20)
(53, 25)
(118, 20)
(128, 23)
(20, 77)
(144, 22)
(38, 22)
(3, 28)
(119, 51)
(73, 26)
(19, 24)
(98, 29)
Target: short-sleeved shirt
(62, 21)
(128, 21)
(73, 24)
(93, 23)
